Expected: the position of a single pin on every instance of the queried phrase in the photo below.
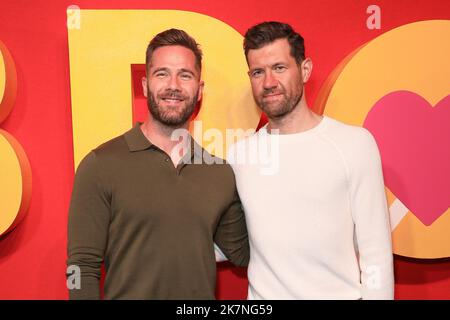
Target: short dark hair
(174, 37)
(265, 33)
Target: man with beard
(319, 226)
(152, 211)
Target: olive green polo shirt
(151, 223)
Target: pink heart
(414, 142)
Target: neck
(301, 118)
(161, 136)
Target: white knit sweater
(316, 213)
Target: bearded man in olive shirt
(149, 210)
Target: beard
(173, 117)
(278, 109)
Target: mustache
(172, 94)
(271, 91)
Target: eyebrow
(180, 71)
(255, 69)
(160, 69)
(278, 64)
(271, 66)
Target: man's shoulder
(212, 161)
(242, 147)
(109, 150)
(348, 135)
(114, 145)
(340, 127)
(356, 144)
(212, 168)
(248, 141)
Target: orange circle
(15, 185)
(412, 57)
(8, 82)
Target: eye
(186, 76)
(161, 74)
(256, 73)
(279, 68)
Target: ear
(201, 85)
(306, 69)
(144, 86)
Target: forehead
(173, 56)
(274, 52)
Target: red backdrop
(32, 257)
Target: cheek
(292, 83)
(157, 84)
(157, 88)
(257, 87)
(297, 78)
(190, 89)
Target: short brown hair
(265, 33)
(174, 37)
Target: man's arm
(371, 217)
(231, 234)
(89, 217)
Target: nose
(174, 83)
(270, 82)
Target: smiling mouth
(172, 99)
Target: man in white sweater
(318, 219)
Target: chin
(174, 121)
(171, 122)
(273, 111)
(277, 114)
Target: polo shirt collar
(137, 141)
